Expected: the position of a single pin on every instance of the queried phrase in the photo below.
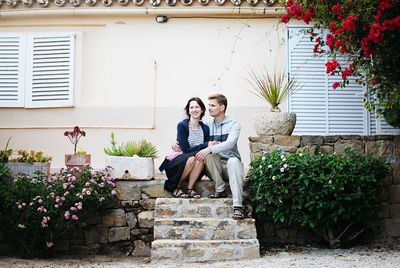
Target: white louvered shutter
(320, 109)
(309, 102)
(12, 70)
(50, 70)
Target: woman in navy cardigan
(193, 136)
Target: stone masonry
(388, 146)
(189, 230)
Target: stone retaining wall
(387, 146)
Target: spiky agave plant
(271, 88)
(141, 148)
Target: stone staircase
(191, 230)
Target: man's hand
(203, 154)
(176, 148)
(211, 143)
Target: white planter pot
(28, 168)
(131, 168)
(272, 123)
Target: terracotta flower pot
(77, 160)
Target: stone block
(141, 249)
(251, 252)
(189, 212)
(146, 219)
(395, 194)
(96, 235)
(222, 253)
(129, 204)
(222, 211)
(395, 211)
(331, 139)
(62, 245)
(392, 227)
(311, 140)
(355, 145)
(174, 233)
(327, 149)
(148, 204)
(396, 172)
(204, 211)
(262, 139)
(197, 233)
(223, 234)
(380, 148)
(287, 140)
(128, 190)
(114, 217)
(167, 213)
(254, 147)
(147, 238)
(131, 219)
(248, 233)
(139, 231)
(119, 234)
(268, 148)
(160, 254)
(168, 201)
(156, 192)
(190, 253)
(282, 233)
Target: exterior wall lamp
(161, 19)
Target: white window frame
(45, 70)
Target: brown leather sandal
(238, 213)
(218, 195)
(179, 193)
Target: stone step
(204, 229)
(167, 208)
(167, 250)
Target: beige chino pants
(220, 170)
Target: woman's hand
(176, 148)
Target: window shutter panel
(320, 109)
(12, 71)
(50, 70)
(308, 102)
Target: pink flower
(66, 215)
(49, 244)
(72, 208)
(56, 206)
(19, 207)
(74, 217)
(101, 199)
(40, 201)
(72, 186)
(87, 184)
(282, 169)
(101, 185)
(21, 226)
(113, 192)
(23, 204)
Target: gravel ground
(273, 257)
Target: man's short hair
(221, 100)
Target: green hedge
(328, 193)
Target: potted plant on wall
(272, 88)
(132, 160)
(25, 162)
(78, 159)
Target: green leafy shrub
(141, 148)
(328, 193)
(37, 211)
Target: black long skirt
(174, 170)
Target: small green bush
(328, 193)
(141, 148)
(37, 211)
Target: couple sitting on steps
(209, 147)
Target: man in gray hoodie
(223, 159)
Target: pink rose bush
(37, 211)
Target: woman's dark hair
(201, 104)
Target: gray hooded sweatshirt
(227, 133)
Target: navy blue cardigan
(183, 135)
